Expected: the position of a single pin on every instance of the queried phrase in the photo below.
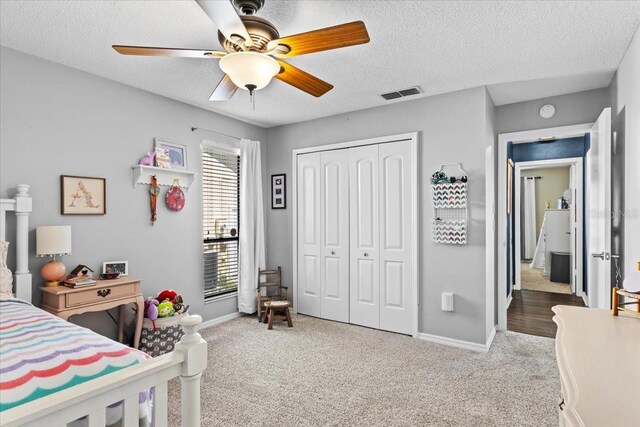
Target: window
(221, 207)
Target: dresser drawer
(93, 295)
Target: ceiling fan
(255, 51)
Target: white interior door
(334, 230)
(364, 301)
(309, 246)
(395, 237)
(598, 169)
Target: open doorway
(590, 143)
(545, 204)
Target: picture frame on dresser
(83, 195)
(121, 267)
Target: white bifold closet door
(365, 233)
(355, 235)
(308, 204)
(334, 232)
(323, 236)
(396, 237)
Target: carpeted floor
(321, 373)
(532, 279)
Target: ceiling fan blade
(165, 51)
(224, 15)
(302, 80)
(344, 35)
(224, 91)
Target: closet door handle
(333, 252)
(366, 254)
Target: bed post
(22, 277)
(194, 349)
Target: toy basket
(162, 339)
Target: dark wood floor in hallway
(530, 311)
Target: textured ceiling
(521, 50)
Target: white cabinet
(355, 235)
(597, 354)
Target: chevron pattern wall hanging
(449, 225)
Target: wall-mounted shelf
(143, 174)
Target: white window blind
(221, 228)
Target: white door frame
(576, 168)
(413, 137)
(518, 137)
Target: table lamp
(53, 240)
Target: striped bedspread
(41, 354)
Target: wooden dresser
(65, 302)
(598, 356)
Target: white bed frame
(90, 399)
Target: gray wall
(453, 128)
(57, 120)
(571, 109)
(625, 103)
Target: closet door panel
(364, 232)
(335, 235)
(309, 242)
(395, 237)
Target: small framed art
(279, 191)
(173, 155)
(121, 267)
(83, 195)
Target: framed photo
(83, 195)
(174, 155)
(121, 267)
(279, 191)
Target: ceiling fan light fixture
(250, 70)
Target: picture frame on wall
(121, 267)
(173, 154)
(83, 195)
(279, 191)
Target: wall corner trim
(219, 320)
(468, 345)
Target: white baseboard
(584, 298)
(459, 343)
(509, 301)
(218, 320)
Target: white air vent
(402, 93)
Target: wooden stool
(275, 307)
(616, 305)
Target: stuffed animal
(147, 160)
(167, 294)
(151, 311)
(178, 305)
(165, 309)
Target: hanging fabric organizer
(450, 210)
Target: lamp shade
(53, 240)
(248, 69)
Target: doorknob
(602, 255)
(366, 254)
(333, 252)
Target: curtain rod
(193, 129)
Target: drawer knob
(104, 292)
